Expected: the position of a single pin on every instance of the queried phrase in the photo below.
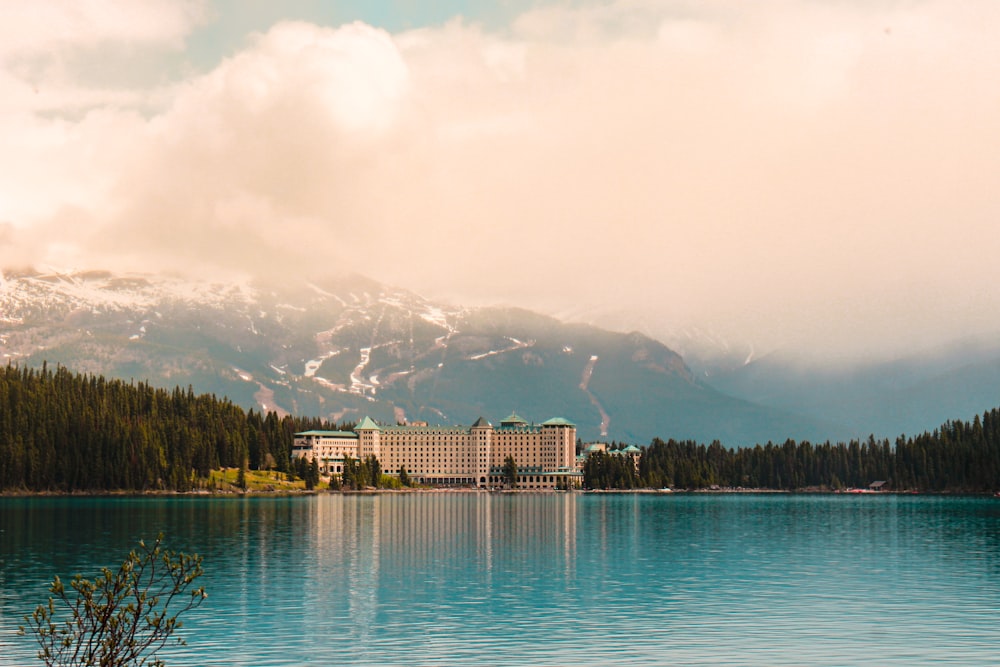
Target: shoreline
(259, 493)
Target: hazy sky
(810, 172)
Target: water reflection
(400, 574)
(529, 579)
(426, 540)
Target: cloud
(781, 171)
(44, 26)
(254, 166)
(53, 52)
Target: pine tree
(241, 476)
(510, 472)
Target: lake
(542, 579)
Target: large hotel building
(453, 455)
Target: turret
(482, 440)
(562, 437)
(369, 438)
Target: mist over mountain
(883, 392)
(345, 348)
(914, 392)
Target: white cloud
(354, 73)
(66, 57)
(781, 169)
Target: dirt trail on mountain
(588, 372)
(265, 398)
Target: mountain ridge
(341, 349)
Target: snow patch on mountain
(517, 345)
(358, 383)
(438, 317)
(313, 365)
(443, 416)
(96, 292)
(323, 382)
(323, 292)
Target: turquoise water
(543, 579)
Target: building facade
(545, 453)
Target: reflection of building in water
(364, 571)
(423, 535)
(450, 551)
(545, 453)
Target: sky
(818, 175)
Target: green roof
(481, 423)
(367, 425)
(558, 421)
(330, 434)
(513, 419)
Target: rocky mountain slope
(351, 347)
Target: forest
(61, 431)
(65, 432)
(958, 457)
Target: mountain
(907, 395)
(351, 347)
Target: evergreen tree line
(367, 473)
(359, 473)
(958, 457)
(308, 471)
(61, 431)
(609, 470)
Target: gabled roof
(558, 421)
(367, 425)
(482, 423)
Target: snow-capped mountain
(352, 347)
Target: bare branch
(121, 618)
